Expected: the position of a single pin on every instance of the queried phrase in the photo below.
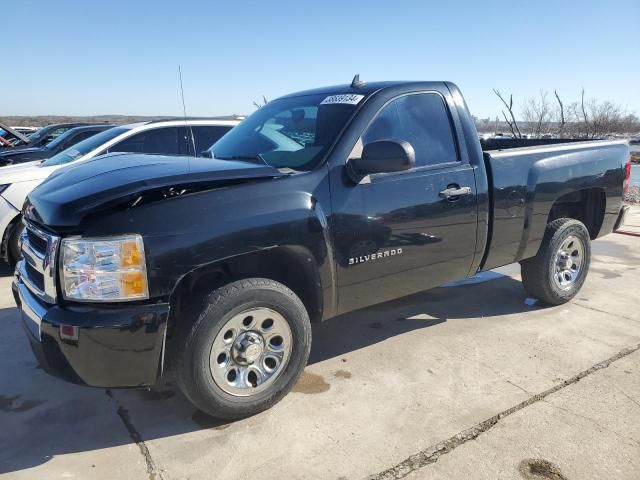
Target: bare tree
(575, 127)
(606, 118)
(536, 112)
(585, 118)
(562, 119)
(260, 103)
(584, 113)
(630, 124)
(513, 124)
(596, 119)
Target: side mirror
(206, 154)
(383, 156)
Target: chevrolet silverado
(320, 203)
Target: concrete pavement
(474, 380)
(589, 429)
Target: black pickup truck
(320, 203)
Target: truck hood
(71, 193)
(13, 134)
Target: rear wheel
(556, 274)
(245, 350)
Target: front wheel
(556, 274)
(246, 349)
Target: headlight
(110, 269)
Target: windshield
(39, 134)
(53, 144)
(84, 147)
(294, 132)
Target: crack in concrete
(592, 420)
(631, 399)
(431, 454)
(517, 386)
(604, 311)
(152, 469)
(488, 367)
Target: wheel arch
(6, 235)
(586, 205)
(293, 266)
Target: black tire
(13, 244)
(194, 375)
(538, 272)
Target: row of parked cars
(26, 161)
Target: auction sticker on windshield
(73, 153)
(346, 98)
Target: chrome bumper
(31, 311)
(34, 283)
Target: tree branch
(562, 119)
(513, 125)
(584, 114)
(509, 123)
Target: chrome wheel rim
(568, 263)
(250, 351)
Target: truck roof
(365, 89)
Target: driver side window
(162, 140)
(420, 119)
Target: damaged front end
(88, 315)
(129, 180)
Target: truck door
(403, 232)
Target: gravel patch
(633, 195)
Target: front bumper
(95, 345)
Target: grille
(35, 277)
(39, 250)
(38, 243)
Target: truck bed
(527, 182)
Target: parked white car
(168, 137)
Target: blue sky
(121, 57)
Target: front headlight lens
(111, 269)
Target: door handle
(451, 193)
